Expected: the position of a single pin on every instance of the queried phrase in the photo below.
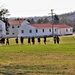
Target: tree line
(56, 20)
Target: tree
(6, 23)
(28, 20)
(40, 20)
(63, 20)
(46, 20)
(4, 12)
(32, 21)
(56, 19)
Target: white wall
(26, 28)
(2, 29)
(46, 32)
(65, 31)
(13, 32)
(70, 31)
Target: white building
(2, 29)
(30, 30)
(63, 29)
(13, 28)
(23, 28)
(26, 30)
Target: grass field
(49, 59)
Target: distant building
(30, 30)
(23, 28)
(13, 28)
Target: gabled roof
(15, 22)
(47, 25)
(62, 26)
(42, 25)
(50, 25)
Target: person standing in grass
(16, 40)
(29, 40)
(39, 40)
(0, 41)
(33, 40)
(21, 40)
(7, 41)
(55, 39)
(58, 39)
(44, 39)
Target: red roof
(62, 26)
(47, 25)
(42, 25)
(15, 22)
(50, 25)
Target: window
(49, 30)
(66, 30)
(12, 26)
(0, 30)
(13, 33)
(43, 30)
(22, 31)
(30, 31)
(36, 31)
(7, 33)
(55, 30)
(18, 26)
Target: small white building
(2, 29)
(13, 28)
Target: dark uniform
(16, 40)
(44, 39)
(29, 40)
(58, 39)
(39, 40)
(33, 40)
(55, 40)
(22, 40)
(7, 41)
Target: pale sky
(30, 8)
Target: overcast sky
(28, 8)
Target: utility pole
(52, 22)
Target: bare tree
(3, 13)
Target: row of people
(2, 40)
(56, 40)
(29, 40)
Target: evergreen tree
(32, 21)
(29, 20)
(55, 19)
(46, 20)
(40, 21)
